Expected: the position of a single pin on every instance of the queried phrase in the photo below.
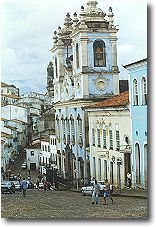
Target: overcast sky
(28, 26)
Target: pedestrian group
(108, 190)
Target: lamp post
(77, 183)
(119, 163)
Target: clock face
(101, 84)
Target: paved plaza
(69, 205)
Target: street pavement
(69, 204)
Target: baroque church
(83, 69)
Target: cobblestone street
(69, 205)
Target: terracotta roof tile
(117, 100)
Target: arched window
(99, 53)
(135, 92)
(144, 91)
(56, 67)
(77, 55)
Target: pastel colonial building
(138, 111)
(84, 58)
(110, 139)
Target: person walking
(45, 185)
(96, 192)
(24, 186)
(107, 192)
(37, 184)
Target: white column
(114, 54)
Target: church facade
(84, 61)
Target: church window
(77, 55)
(144, 91)
(98, 138)
(64, 130)
(68, 128)
(117, 140)
(99, 53)
(135, 93)
(104, 138)
(72, 131)
(56, 73)
(80, 132)
(58, 129)
(110, 138)
(93, 137)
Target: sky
(27, 29)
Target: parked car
(7, 186)
(88, 189)
(17, 186)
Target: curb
(118, 194)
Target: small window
(145, 133)
(136, 133)
(32, 153)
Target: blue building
(84, 59)
(138, 112)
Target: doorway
(111, 172)
(33, 166)
(137, 158)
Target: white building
(45, 152)
(14, 112)
(9, 94)
(110, 139)
(14, 121)
(33, 156)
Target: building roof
(34, 146)
(6, 135)
(18, 121)
(135, 63)
(45, 138)
(11, 96)
(116, 101)
(11, 127)
(7, 85)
